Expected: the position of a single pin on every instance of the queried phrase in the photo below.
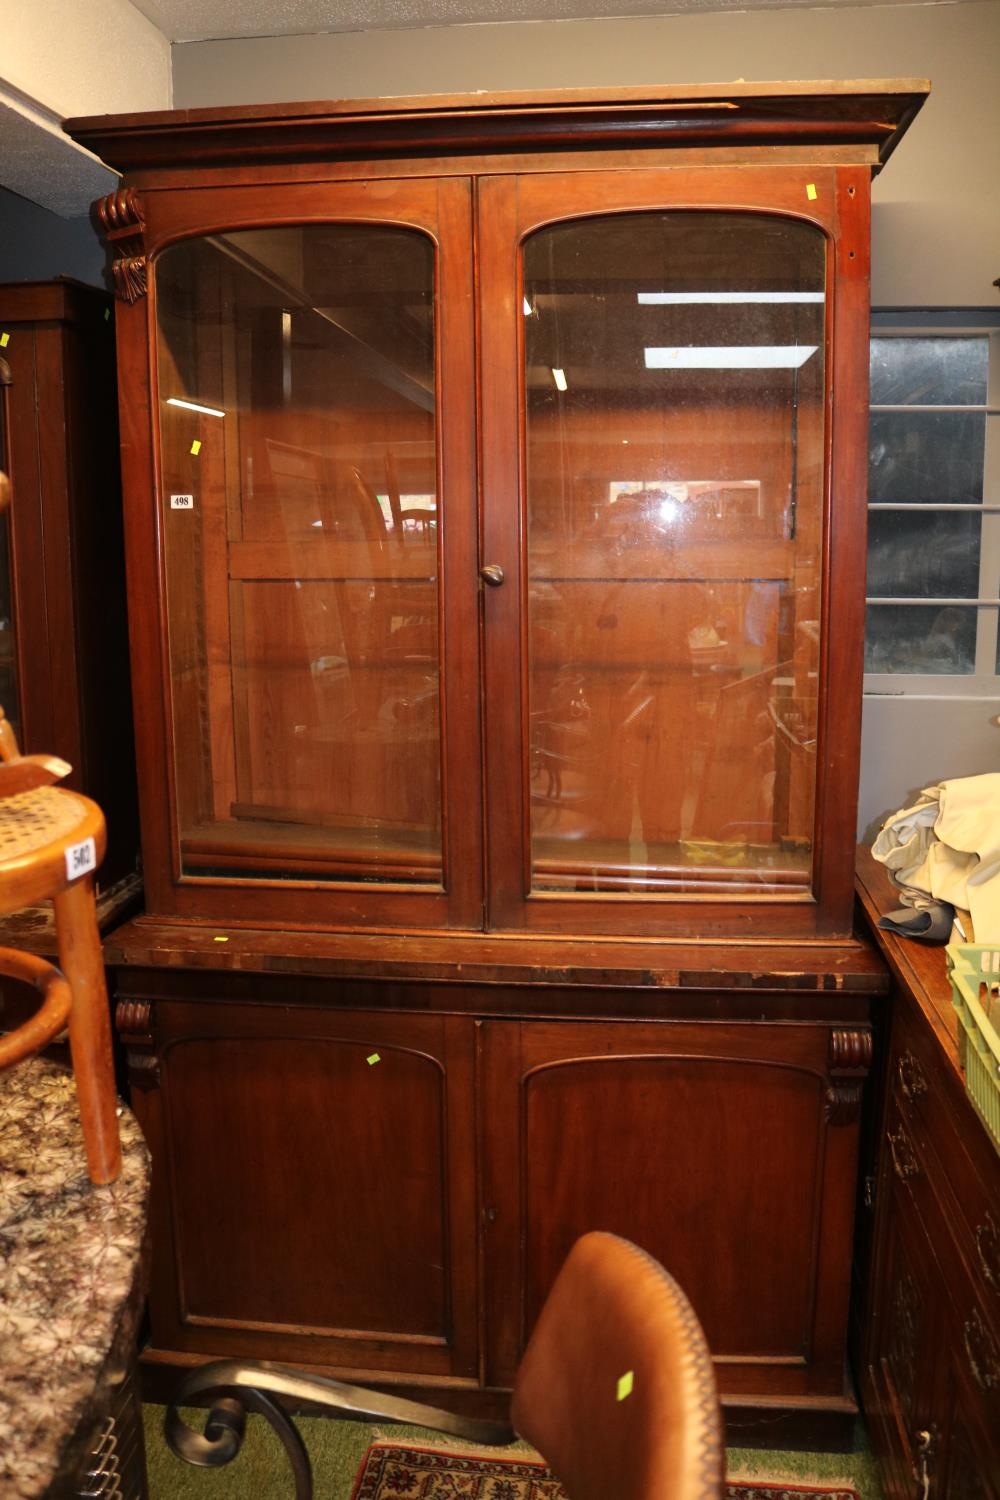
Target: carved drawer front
(981, 1339)
(904, 1337)
(963, 1167)
(908, 1164)
(976, 1353)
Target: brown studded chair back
(616, 1388)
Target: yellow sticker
(625, 1384)
(811, 190)
(4, 340)
(196, 447)
(107, 315)
(371, 1061)
(220, 940)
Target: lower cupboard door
(714, 1147)
(315, 1189)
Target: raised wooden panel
(654, 1148)
(713, 1147)
(319, 1185)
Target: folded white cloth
(947, 846)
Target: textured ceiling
(202, 20)
(39, 163)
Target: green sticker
(625, 1384)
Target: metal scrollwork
(236, 1387)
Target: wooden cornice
(869, 115)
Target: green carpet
(336, 1449)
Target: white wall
(936, 238)
(910, 743)
(70, 57)
(80, 57)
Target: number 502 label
(81, 859)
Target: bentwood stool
(51, 842)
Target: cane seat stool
(51, 842)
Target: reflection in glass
(299, 478)
(674, 368)
(929, 371)
(912, 555)
(921, 638)
(926, 458)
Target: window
(934, 504)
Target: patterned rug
(391, 1472)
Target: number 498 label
(81, 859)
(182, 502)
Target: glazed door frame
(441, 209)
(836, 200)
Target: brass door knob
(492, 574)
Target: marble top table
(71, 1278)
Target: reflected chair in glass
(616, 1390)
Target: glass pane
(929, 371)
(299, 476)
(9, 697)
(926, 458)
(914, 555)
(920, 638)
(674, 392)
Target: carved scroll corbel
(849, 1059)
(134, 1024)
(123, 224)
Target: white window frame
(984, 682)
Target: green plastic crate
(973, 965)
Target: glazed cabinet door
(314, 1189)
(312, 416)
(674, 513)
(727, 1150)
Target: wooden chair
(616, 1390)
(51, 841)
